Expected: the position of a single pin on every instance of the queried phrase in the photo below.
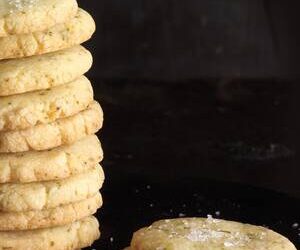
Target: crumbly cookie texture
(77, 235)
(54, 164)
(27, 16)
(75, 31)
(50, 194)
(44, 71)
(45, 106)
(207, 234)
(58, 216)
(61, 132)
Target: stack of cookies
(49, 155)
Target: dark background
(199, 88)
(198, 95)
(179, 40)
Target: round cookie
(45, 106)
(27, 16)
(58, 163)
(75, 31)
(50, 194)
(207, 234)
(44, 71)
(61, 132)
(77, 235)
(57, 216)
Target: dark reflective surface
(175, 149)
(136, 202)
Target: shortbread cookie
(61, 132)
(79, 234)
(45, 106)
(75, 31)
(27, 16)
(50, 194)
(43, 71)
(53, 164)
(57, 216)
(207, 234)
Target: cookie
(44, 71)
(27, 16)
(61, 132)
(19, 112)
(57, 216)
(58, 163)
(77, 235)
(207, 234)
(50, 194)
(75, 31)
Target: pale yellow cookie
(50, 194)
(27, 16)
(58, 163)
(75, 31)
(79, 234)
(61, 132)
(45, 106)
(207, 234)
(58, 216)
(43, 71)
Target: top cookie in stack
(33, 27)
(49, 156)
(27, 16)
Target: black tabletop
(135, 203)
(196, 148)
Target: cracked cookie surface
(77, 235)
(63, 131)
(26, 110)
(57, 216)
(43, 71)
(50, 194)
(57, 163)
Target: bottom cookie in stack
(57, 216)
(76, 235)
